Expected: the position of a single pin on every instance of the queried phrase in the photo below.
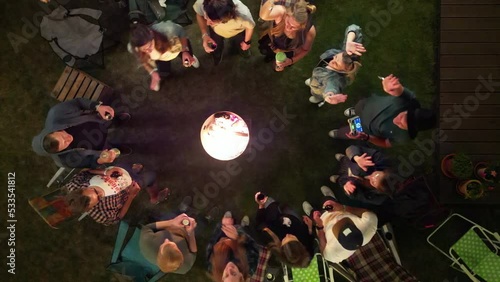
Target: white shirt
(334, 251)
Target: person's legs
(265, 48)
(147, 180)
(164, 68)
(219, 50)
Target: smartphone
(355, 125)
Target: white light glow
(224, 136)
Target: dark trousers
(219, 40)
(165, 67)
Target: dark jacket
(349, 167)
(65, 115)
(272, 218)
(377, 113)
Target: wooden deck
(469, 86)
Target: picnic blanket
(374, 262)
(264, 255)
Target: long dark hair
(141, 34)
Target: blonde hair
(292, 253)
(169, 259)
(301, 12)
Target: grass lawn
(290, 164)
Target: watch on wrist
(319, 227)
(248, 42)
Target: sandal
(349, 112)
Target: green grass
(291, 167)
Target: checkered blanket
(264, 255)
(373, 262)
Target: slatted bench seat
(75, 83)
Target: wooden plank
(468, 73)
(67, 86)
(471, 111)
(76, 85)
(469, 48)
(469, 123)
(465, 86)
(90, 89)
(469, 61)
(470, 148)
(446, 98)
(97, 93)
(468, 2)
(472, 135)
(83, 87)
(469, 23)
(470, 11)
(61, 82)
(476, 36)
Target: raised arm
(270, 12)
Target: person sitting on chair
(388, 120)
(341, 229)
(336, 69)
(106, 195)
(219, 19)
(170, 244)
(232, 255)
(75, 134)
(155, 47)
(288, 236)
(364, 175)
(290, 31)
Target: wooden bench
(74, 83)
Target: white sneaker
(334, 178)
(308, 82)
(196, 63)
(245, 221)
(333, 133)
(307, 208)
(315, 100)
(349, 112)
(327, 191)
(339, 156)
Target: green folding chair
(128, 262)
(475, 252)
(317, 271)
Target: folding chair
(376, 261)
(127, 260)
(318, 270)
(473, 249)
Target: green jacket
(377, 113)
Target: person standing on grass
(159, 44)
(388, 120)
(290, 30)
(336, 69)
(76, 134)
(220, 19)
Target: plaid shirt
(374, 262)
(108, 208)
